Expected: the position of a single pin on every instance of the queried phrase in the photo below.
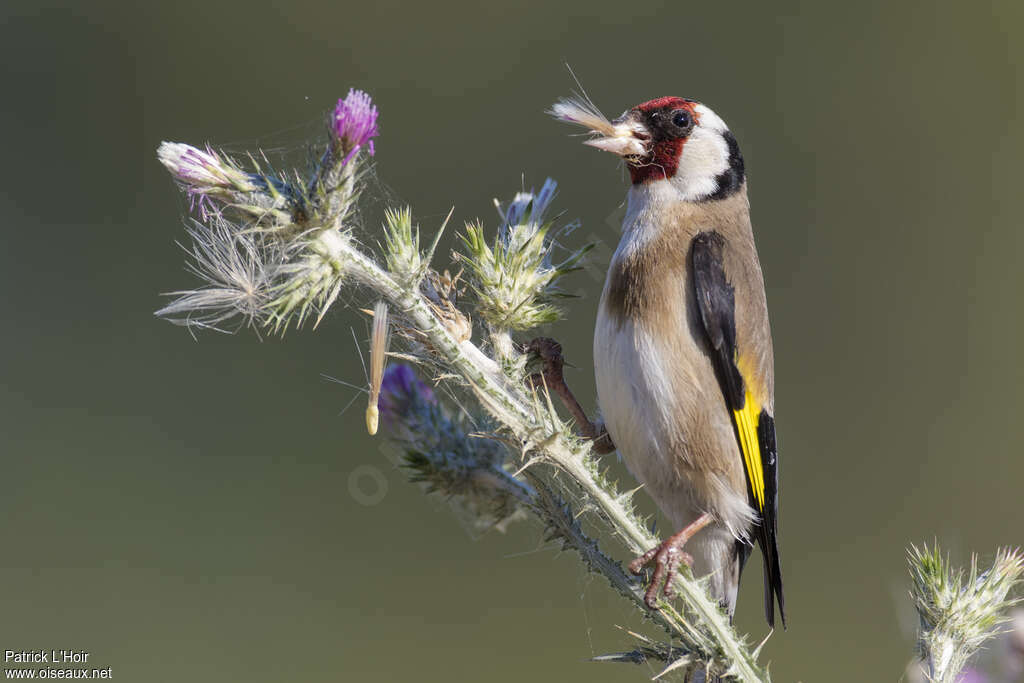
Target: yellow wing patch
(746, 426)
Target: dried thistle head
(442, 292)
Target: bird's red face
(667, 123)
(666, 139)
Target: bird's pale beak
(625, 136)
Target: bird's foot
(667, 557)
(549, 352)
(551, 376)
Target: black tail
(767, 538)
(768, 528)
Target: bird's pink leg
(667, 558)
(550, 353)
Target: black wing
(755, 428)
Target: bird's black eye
(681, 118)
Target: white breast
(635, 376)
(632, 382)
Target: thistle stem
(511, 406)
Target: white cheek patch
(705, 156)
(709, 119)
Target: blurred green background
(206, 511)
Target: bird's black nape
(731, 179)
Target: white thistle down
(619, 136)
(579, 109)
(237, 269)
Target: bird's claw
(549, 352)
(666, 557)
(551, 378)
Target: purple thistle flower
(401, 392)
(355, 123)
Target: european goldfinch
(683, 348)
